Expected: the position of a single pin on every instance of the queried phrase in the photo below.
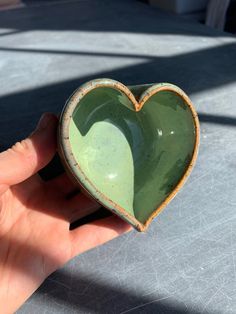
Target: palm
(35, 216)
(35, 227)
(36, 223)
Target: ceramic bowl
(131, 148)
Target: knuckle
(24, 151)
(21, 147)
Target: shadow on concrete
(216, 119)
(193, 72)
(93, 295)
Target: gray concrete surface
(185, 263)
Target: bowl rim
(74, 170)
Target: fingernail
(44, 121)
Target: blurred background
(185, 262)
(215, 13)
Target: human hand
(35, 216)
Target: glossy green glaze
(131, 159)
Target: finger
(63, 184)
(80, 206)
(96, 233)
(27, 157)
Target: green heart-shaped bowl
(131, 148)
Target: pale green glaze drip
(107, 160)
(134, 158)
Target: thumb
(27, 157)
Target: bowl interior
(133, 158)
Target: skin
(35, 239)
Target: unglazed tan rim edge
(65, 150)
